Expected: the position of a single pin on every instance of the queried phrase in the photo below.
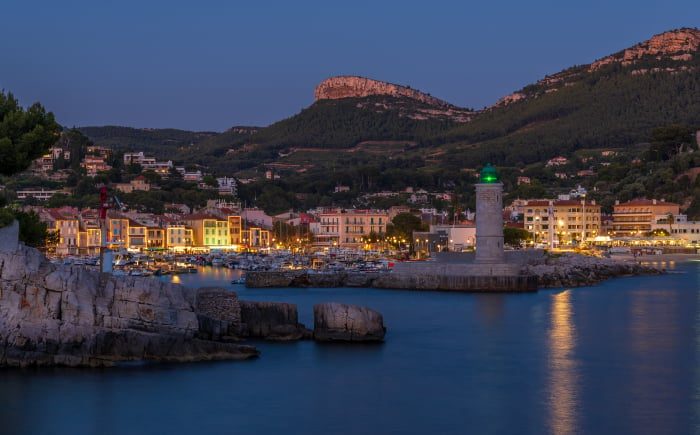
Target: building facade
(635, 218)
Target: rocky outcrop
(340, 322)
(272, 321)
(678, 44)
(359, 87)
(62, 315)
(572, 270)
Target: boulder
(272, 321)
(340, 322)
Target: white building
(679, 227)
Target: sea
(621, 357)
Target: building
(227, 186)
(39, 194)
(209, 231)
(556, 223)
(635, 218)
(678, 226)
(94, 165)
(67, 225)
(139, 183)
(178, 237)
(348, 228)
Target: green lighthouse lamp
(488, 174)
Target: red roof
(647, 202)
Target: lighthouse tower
(489, 218)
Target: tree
(31, 230)
(24, 136)
(403, 225)
(515, 236)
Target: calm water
(621, 357)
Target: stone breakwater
(572, 270)
(530, 270)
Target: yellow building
(209, 231)
(349, 227)
(67, 225)
(178, 237)
(553, 223)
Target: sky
(210, 65)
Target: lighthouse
(489, 218)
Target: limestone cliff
(358, 87)
(675, 45)
(679, 44)
(428, 107)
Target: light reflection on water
(563, 376)
(620, 357)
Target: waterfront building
(679, 227)
(209, 231)
(557, 223)
(457, 237)
(635, 218)
(179, 237)
(348, 228)
(90, 233)
(67, 225)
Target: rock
(340, 322)
(358, 87)
(575, 270)
(62, 315)
(272, 321)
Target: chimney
(653, 201)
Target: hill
(374, 136)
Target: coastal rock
(272, 321)
(574, 270)
(339, 322)
(218, 314)
(63, 315)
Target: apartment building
(554, 223)
(347, 228)
(635, 218)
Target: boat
(239, 280)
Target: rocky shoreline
(573, 270)
(60, 315)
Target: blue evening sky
(210, 65)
